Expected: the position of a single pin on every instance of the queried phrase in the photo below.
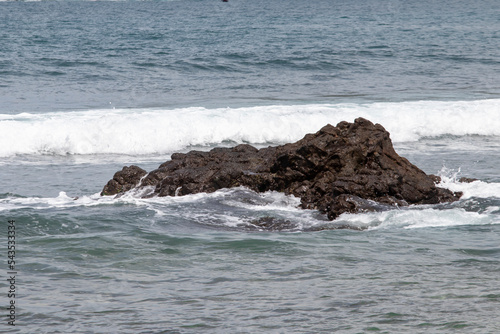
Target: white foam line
(153, 131)
(417, 217)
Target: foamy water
(163, 131)
(239, 207)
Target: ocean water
(89, 87)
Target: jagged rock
(124, 180)
(348, 168)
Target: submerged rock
(348, 168)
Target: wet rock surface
(351, 167)
(124, 180)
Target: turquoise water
(88, 87)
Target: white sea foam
(39, 203)
(476, 192)
(240, 207)
(478, 189)
(419, 218)
(152, 131)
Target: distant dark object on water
(224, 0)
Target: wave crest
(161, 131)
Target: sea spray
(164, 131)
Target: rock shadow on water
(274, 224)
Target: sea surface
(89, 87)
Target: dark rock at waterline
(464, 179)
(348, 168)
(274, 224)
(124, 180)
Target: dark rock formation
(348, 168)
(124, 180)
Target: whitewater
(165, 131)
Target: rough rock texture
(348, 168)
(124, 180)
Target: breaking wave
(161, 131)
